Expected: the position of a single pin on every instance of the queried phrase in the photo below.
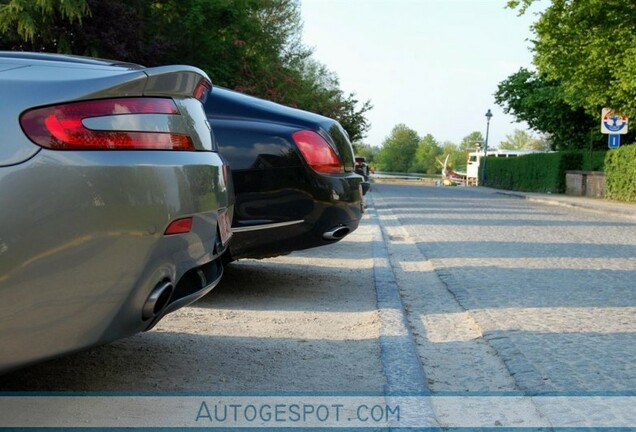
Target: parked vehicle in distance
(116, 205)
(292, 171)
(361, 167)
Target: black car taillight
(61, 127)
(320, 156)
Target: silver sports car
(114, 203)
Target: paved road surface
(508, 294)
(304, 322)
(441, 289)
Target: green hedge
(543, 172)
(620, 169)
(594, 161)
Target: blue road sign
(614, 141)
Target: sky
(433, 65)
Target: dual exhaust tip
(336, 233)
(157, 300)
(159, 297)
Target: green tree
(426, 155)
(532, 98)
(522, 140)
(589, 47)
(314, 88)
(456, 157)
(367, 151)
(469, 141)
(38, 21)
(398, 149)
(253, 46)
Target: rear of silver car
(114, 204)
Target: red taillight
(202, 90)
(226, 174)
(60, 127)
(179, 226)
(317, 152)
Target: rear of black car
(293, 175)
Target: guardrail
(404, 176)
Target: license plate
(225, 226)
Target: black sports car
(293, 175)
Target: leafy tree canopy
(469, 141)
(36, 20)
(589, 48)
(426, 155)
(532, 98)
(253, 46)
(398, 149)
(367, 151)
(404, 151)
(522, 140)
(456, 156)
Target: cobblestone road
(504, 294)
(490, 294)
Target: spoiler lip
(174, 80)
(68, 58)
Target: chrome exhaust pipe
(157, 300)
(336, 233)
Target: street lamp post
(483, 171)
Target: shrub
(620, 169)
(543, 172)
(594, 161)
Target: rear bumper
(82, 244)
(288, 219)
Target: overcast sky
(431, 64)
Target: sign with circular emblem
(613, 122)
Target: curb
(401, 362)
(568, 204)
